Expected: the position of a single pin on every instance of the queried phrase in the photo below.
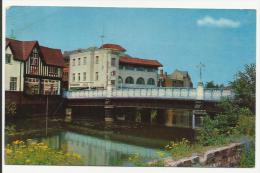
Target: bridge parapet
(159, 92)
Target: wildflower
(8, 151)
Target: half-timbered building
(32, 68)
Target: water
(97, 151)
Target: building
(176, 79)
(32, 69)
(110, 66)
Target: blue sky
(223, 40)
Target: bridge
(197, 100)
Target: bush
(33, 153)
(246, 125)
(179, 149)
(248, 157)
(10, 129)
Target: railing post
(200, 91)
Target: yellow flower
(8, 151)
(27, 161)
(16, 142)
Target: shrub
(33, 153)
(10, 129)
(179, 149)
(248, 157)
(246, 125)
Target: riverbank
(182, 153)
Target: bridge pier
(169, 117)
(68, 116)
(109, 107)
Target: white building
(32, 68)
(110, 66)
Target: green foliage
(244, 87)
(137, 160)
(248, 157)
(179, 149)
(10, 109)
(246, 125)
(10, 129)
(211, 84)
(232, 121)
(32, 153)
(210, 133)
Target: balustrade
(181, 93)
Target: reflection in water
(96, 151)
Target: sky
(223, 40)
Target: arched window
(120, 80)
(150, 81)
(129, 80)
(140, 81)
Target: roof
(179, 75)
(138, 61)
(23, 49)
(113, 46)
(52, 56)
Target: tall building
(108, 66)
(32, 68)
(177, 78)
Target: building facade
(32, 69)
(177, 78)
(109, 65)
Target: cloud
(221, 22)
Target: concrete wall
(14, 69)
(228, 156)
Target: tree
(211, 84)
(244, 87)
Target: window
(78, 76)
(120, 81)
(113, 62)
(150, 81)
(84, 60)
(113, 73)
(8, 58)
(84, 76)
(96, 75)
(13, 83)
(73, 62)
(113, 82)
(129, 80)
(140, 81)
(140, 69)
(73, 77)
(129, 67)
(97, 59)
(53, 70)
(78, 61)
(150, 70)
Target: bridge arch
(140, 81)
(150, 81)
(129, 80)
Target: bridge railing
(167, 93)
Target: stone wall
(228, 156)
